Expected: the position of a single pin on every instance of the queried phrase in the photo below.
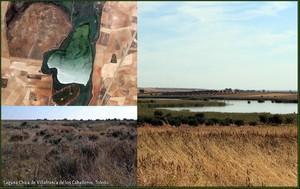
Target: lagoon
(243, 106)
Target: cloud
(268, 9)
(215, 12)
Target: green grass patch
(155, 103)
(158, 116)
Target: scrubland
(92, 151)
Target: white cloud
(213, 12)
(269, 9)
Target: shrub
(174, 121)
(66, 167)
(93, 137)
(199, 115)
(263, 118)
(89, 150)
(184, 120)
(224, 122)
(209, 122)
(289, 120)
(239, 122)
(19, 137)
(200, 120)
(215, 121)
(275, 119)
(168, 115)
(155, 122)
(192, 121)
(54, 140)
(141, 120)
(229, 120)
(252, 123)
(158, 113)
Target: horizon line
(197, 88)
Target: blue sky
(215, 45)
(69, 112)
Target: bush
(239, 122)
(54, 140)
(229, 120)
(158, 113)
(155, 122)
(289, 120)
(192, 121)
(199, 115)
(275, 119)
(66, 167)
(252, 123)
(19, 137)
(141, 120)
(93, 137)
(263, 118)
(215, 121)
(184, 120)
(168, 115)
(200, 120)
(224, 122)
(209, 122)
(174, 121)
(89, 150)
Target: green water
(74, 63)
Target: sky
(217, 45)
(69, 112)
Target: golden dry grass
(217, 156)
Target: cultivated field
(97, 152)
(217, 156)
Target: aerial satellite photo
(68, 53)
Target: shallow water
(74, 64)
(242, 106)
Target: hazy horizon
(68, 112)
(217, 88)
(217, 45)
